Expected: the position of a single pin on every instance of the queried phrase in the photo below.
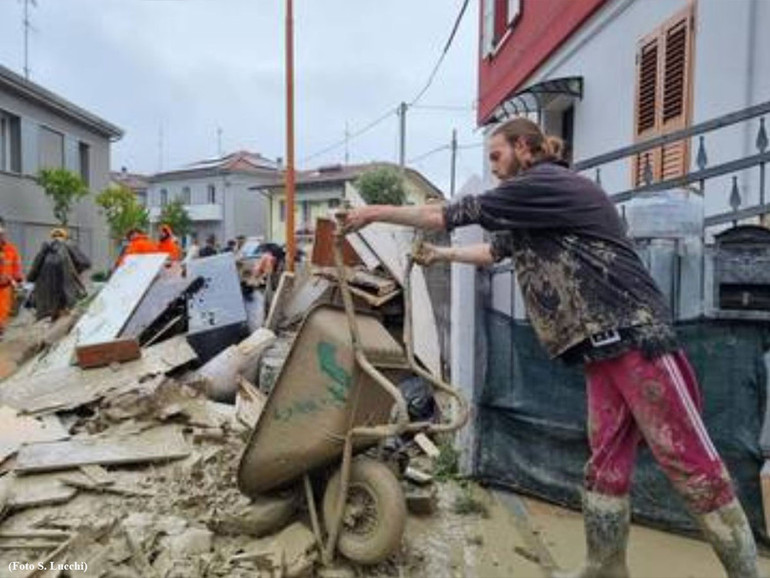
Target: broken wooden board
(323, 246)
(101, 354)
(115, 303)
(16, 430)
(427, 445)
(156, 445)
(281, 296)
(70, 387)
(304, 295)
(38, 490)
(249, 403)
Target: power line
(352, 135)
(431, 152)
(444, 107)
(443, 54)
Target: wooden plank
(16, 430)
(101, 354)
(156, 445)
(280, 297)
(70, 387)
(365, 254)
(249, 403)
(427, 445)
(115, 303)
(38, 490)
(323, 246)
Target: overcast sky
(191, 66)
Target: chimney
(123, 170)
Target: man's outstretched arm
(421, 217)
(479, 254)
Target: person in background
(56, 274)
(210, 248)
(240, 241)
(167, 243)
(231, 247)
(138, 244)
(10, 276)
(194, 249)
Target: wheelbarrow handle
(461, 417)
(402, 414)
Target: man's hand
(427, 254)
(355, 219)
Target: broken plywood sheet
(70, 387)
(101, 354)
(16, 430)
(305, 294)
(115, 303)
(37, 490)
(392, 244)
(159, 444)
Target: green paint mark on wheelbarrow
(336, 393)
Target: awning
(557, 93)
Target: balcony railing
(698, 178)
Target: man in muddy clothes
(591, 301)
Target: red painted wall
(541, 28)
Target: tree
(122, 211)
(382, 186)
(64, 188)
(176, 216)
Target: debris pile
(123, 424)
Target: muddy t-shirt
(577, 269)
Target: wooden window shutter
(501, 19)
(647, 119)
(663, 101)
(675, 102)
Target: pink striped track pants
(631, 398)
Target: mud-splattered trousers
(632, 398)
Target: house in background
(134, 181)
(39, 129)
(223, 196)
(320, 190)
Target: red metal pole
(290, 184)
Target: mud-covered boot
(607, 520)
(728, 531)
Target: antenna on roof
(347, 142)
(219, 142)
(160, 147)
(27, 28)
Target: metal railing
(704, 172)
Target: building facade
(135, 182)
(321, 190)
(224, 197)
(39, 129)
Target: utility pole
(402, 135)
(219, 142)
(290, 234)
(27, 28)
(454, 164)
(347, 142)
(160, 147)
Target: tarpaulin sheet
(532, 418)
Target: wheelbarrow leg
(313, 512)
(336, 526)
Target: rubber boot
(607, 520)
(728, 531)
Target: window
(163, 197)
(10, 143)
(663, 102)
(51, 148)
(282, 210)
(306, 214)
(84, 163)
(334, 203)
(211, 194)
(499, 16)
(186, 196)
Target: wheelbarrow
(335, 398)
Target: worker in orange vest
(138, 244)
(167, 243)
(10, 276)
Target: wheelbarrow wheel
(374, 516)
